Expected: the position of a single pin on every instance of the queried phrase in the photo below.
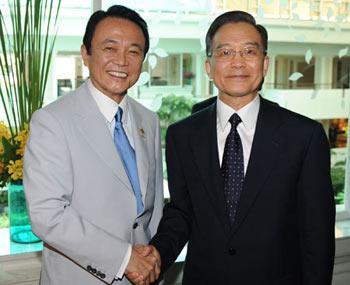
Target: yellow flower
(15, 169)
(4, 132)
(11, 164)
(22, 139)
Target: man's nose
(238, 59)
(120, 57)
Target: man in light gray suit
(93, 170)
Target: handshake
(144, 265)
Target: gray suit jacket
(79, 198)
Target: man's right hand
(144, 265)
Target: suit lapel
(92, 127)
(265, 148)
(140, 137)
(205, 150)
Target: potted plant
(26, 49)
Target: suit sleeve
(49, 186)
(316, 212)
(175, 225)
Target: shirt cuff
(125, 262)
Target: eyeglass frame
(241, 51)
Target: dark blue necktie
(232, 168)
(127, 154)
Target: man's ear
(208, 67)
(266, 65)
(85, 55)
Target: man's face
(238, 73)
(117, 52)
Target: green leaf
(173, 109)
(26, 56)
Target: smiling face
(238, 76)
(116, 56)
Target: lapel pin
(142, 132)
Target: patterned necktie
(232, 168)
(127, 154)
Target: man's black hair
(234, 17)
(117, 11)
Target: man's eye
(250, 51)
(108, 49)
(134, 52)
(226, 52)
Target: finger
(156, 264)
(134, 277)
(157, 271)
(152, 276)
(155, 253)
(149, 267)
(139, 281)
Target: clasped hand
(144, 265)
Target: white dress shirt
(246, 129)
(109, 108)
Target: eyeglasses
(226, 54)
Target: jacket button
(232, 251)
(103, 276)
(135, 225)
(89, 268)
(93, 270)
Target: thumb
(146, 251)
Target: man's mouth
(118, 74)
(238, 77)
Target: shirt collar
(106, 105)
(248, 114)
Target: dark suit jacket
(203, 104)
(284, 229)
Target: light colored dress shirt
(246, 129)
(109, 108)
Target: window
(341, 72)
(172, 74)
(287, 65)
(167, 71)
(70, 72)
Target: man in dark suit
(249, 181)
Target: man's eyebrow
(112, 41)
(108, 41)
(252, 44)
(227, 45)
(138, 46)
(223, 45)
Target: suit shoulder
(58, 108)
(63, 107)
(293, 118)
(194, 121)
(298, 117)
(203, 104)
